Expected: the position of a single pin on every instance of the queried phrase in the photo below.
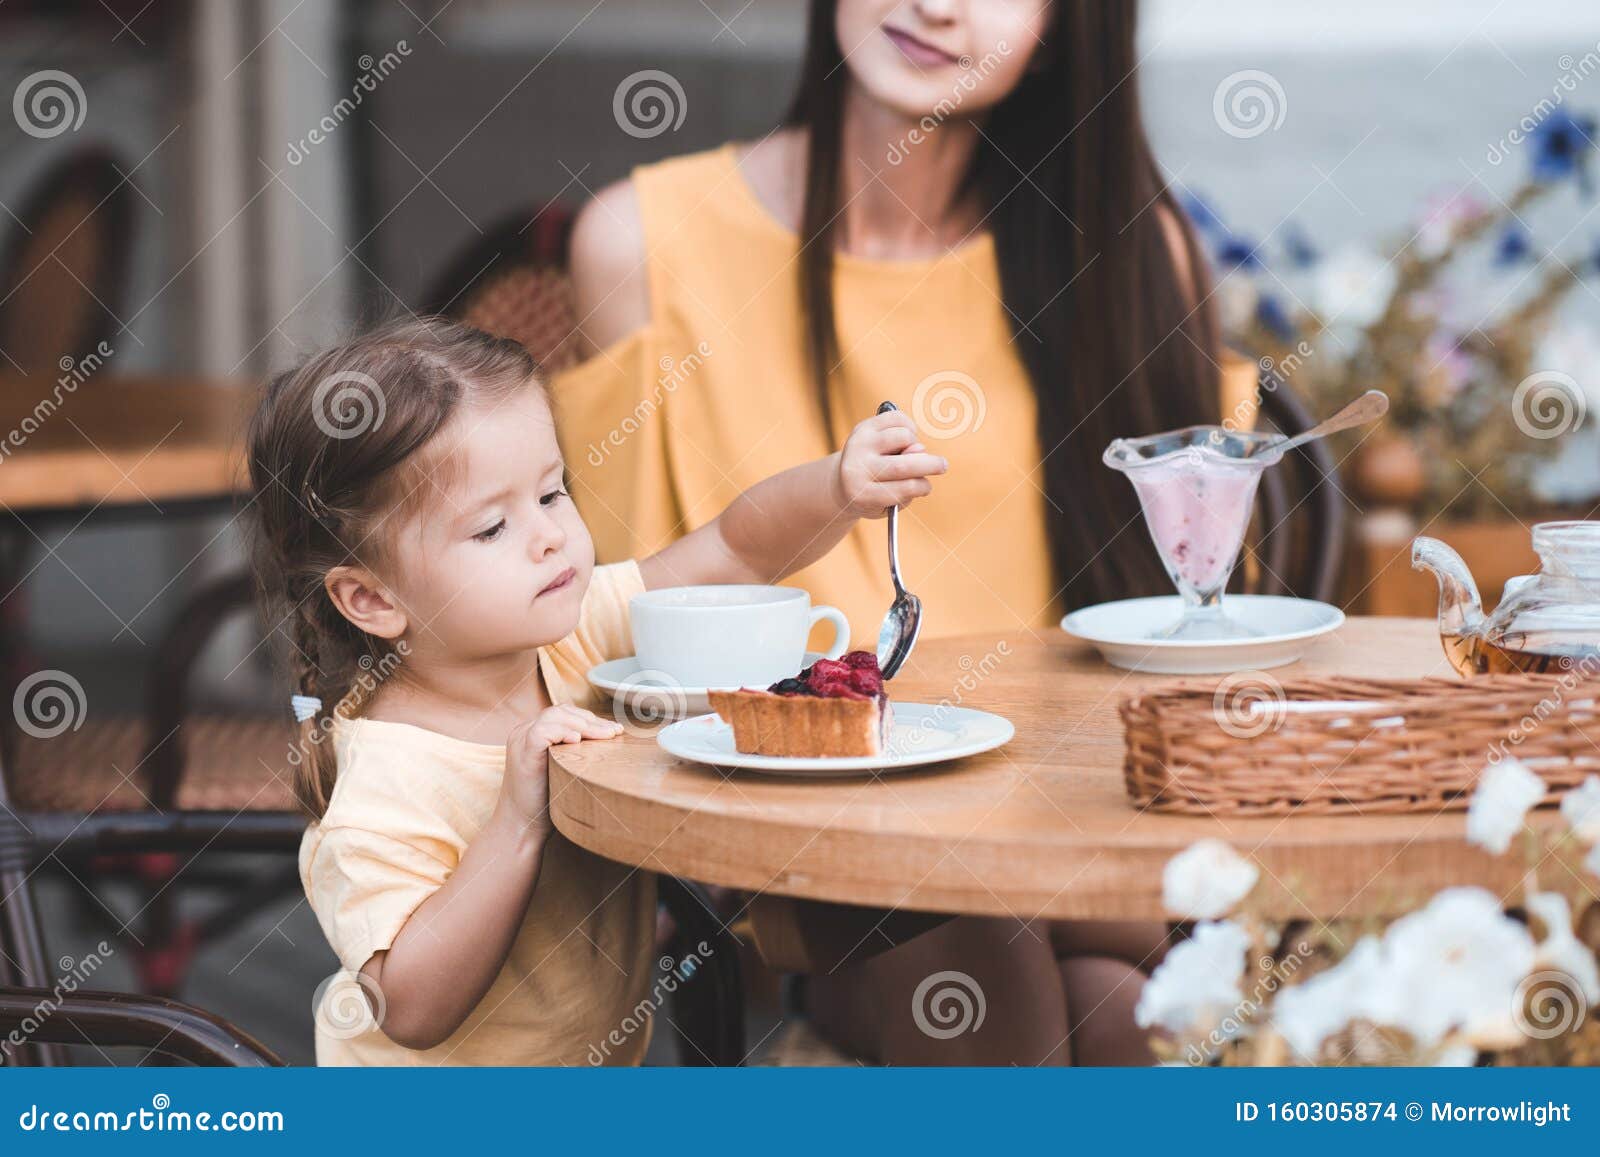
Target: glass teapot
(1548, 621)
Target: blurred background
(194, 194)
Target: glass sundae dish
(1197, 487)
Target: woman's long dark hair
(1113, 339)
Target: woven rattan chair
(63, 271)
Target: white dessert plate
(920, 735)
(1285, 629)
(654, 696)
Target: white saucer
(1287, 628)
(656, 697)
(919, 736)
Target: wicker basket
(1358, 746)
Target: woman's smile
(918, 52)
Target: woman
(961, 213)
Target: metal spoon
(1369, 407)
(900, 626)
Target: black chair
(1301, 506)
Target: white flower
(1198, 983)
(1575, 350)
(1307, 1014)
(1505, 792)
(1206, 880)
(1352, 288)
(1235, 297)
(1457, 964)
(1561, 949)
(1580, 807)
(1460, 1056)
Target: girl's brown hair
(327, 445)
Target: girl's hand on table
(883, 465)
(525, 792)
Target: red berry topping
(827, 671)
(860, 660)
(867, 680)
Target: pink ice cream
(1197, 504)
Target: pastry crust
(803, 726)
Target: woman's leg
(1141, 943)
(1101, 992)
(1007, 967)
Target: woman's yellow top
(664, 429)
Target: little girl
(413, 529)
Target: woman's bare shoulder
(610, 287)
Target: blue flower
(1205, 218)
(1274, 318)
(1297, 246)
(1235, 252)
(1561, 147)
(1514, 247)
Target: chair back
(515, 283)
(1299, 544)
(63, 270)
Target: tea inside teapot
(1546, 622)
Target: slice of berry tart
(834, 708)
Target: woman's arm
(610, 288)
(786, 522)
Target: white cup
(728, 636)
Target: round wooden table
(1040, 827)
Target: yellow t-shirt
(405, 806)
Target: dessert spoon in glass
(900, 626)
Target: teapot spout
(1460, 606)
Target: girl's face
(939, 58)
(493, 556)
